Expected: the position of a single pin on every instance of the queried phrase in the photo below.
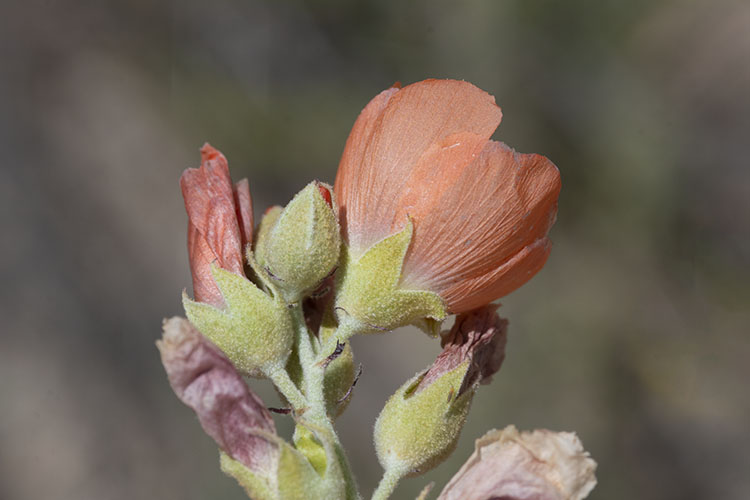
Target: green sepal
(255, 486)
(416, 431)
(297, 479)
(307, 444)
(369, 298)
(302, 246)
(255, 330)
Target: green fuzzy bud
(369, 299)
(302, 247)
(339, 375)
(255, 330)
(264, 229)
(417, 429)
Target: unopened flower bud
(340, 375)
(302, 247)
(220, 222)
(205, 380)
(254, 330)
(420, 424)
(267, 222)
(539, 465)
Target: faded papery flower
(538, 465)
(481, 211)
(220, 222)
(205, 380)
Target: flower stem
(387, 484)
(313, 384)
(285, 385)
(312, 376)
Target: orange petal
(350, 173)
(468, 294)
(201, 256)
(403, 143)
(501, 203)
(438, 169)
(244, 205)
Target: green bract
(257, 487)
(369, 298)
(416, 431)
(297, 478)
(254, 330)
(302, 247)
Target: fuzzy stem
(312, 378)
(313, 383)
(347, 328)
(285, 385)
(387, 484)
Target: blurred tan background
(635, 334)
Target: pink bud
(220, 223)
(326, 194)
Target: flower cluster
(427, 217)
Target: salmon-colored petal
(209, 201)
(501, 203)
(436, 172)
(350, 173)
(201, 256)
(244, 206)
(467, 294)
(420, 120)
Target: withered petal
(538, 465)
(205, 380)
(244, 205)
(478, 336)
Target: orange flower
(481, 211)
(220, 222)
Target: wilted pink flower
(220, 222)
(205, 380)
(538, 465)
(478, 336)
(481, 211)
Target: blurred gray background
(635, 334)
